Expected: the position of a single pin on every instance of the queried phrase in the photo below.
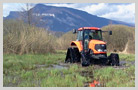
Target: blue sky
(115, 11)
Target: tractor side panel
(77, 44)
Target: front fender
(78, 44)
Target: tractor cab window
(95, 34)
(80, 35)
(86, 39)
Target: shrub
(20, 38)
(65, 40)
(123, 38)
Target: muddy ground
(123, 64)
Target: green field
(49, 70)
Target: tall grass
(122, 39)
(111, 77)
(20, 38)
(65, 40)
(31, 70)
(23, 71)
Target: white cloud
(115, 11)
(100, 9)
(71, 5)
(124, 13)
(7, 7)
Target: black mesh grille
(100, 46)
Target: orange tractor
(89, 48)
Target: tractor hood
(92, 45)
(96, 42)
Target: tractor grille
(100, 46)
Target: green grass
(47, 78)
(23, 71)
(29, 62)
(111, 77)
(52, 78)
(126, 57)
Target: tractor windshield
(90, 34)
(94, 34)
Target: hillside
(61, 18)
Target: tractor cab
(89, 33)
(88, 47)
(90, 39)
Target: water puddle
(41, 66)
(125, 64)
(57, 67)
(54, 66)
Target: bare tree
(27, 14)
(110, 25)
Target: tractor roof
(89, 28)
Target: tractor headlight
(100, 50)
(105, 50)
(100, 47)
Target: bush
(65, 40)
(20, 38)
(123, 38)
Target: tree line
(21, 38)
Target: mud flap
(113, 59)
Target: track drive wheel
(114, 59)
(104, 61)
(84, 62)
(73, 55)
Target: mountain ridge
(63, 18)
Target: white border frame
(62, 1)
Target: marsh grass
(125, 57)
(29, 62)
(48, 78)
(23, 71)
(111, 77)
